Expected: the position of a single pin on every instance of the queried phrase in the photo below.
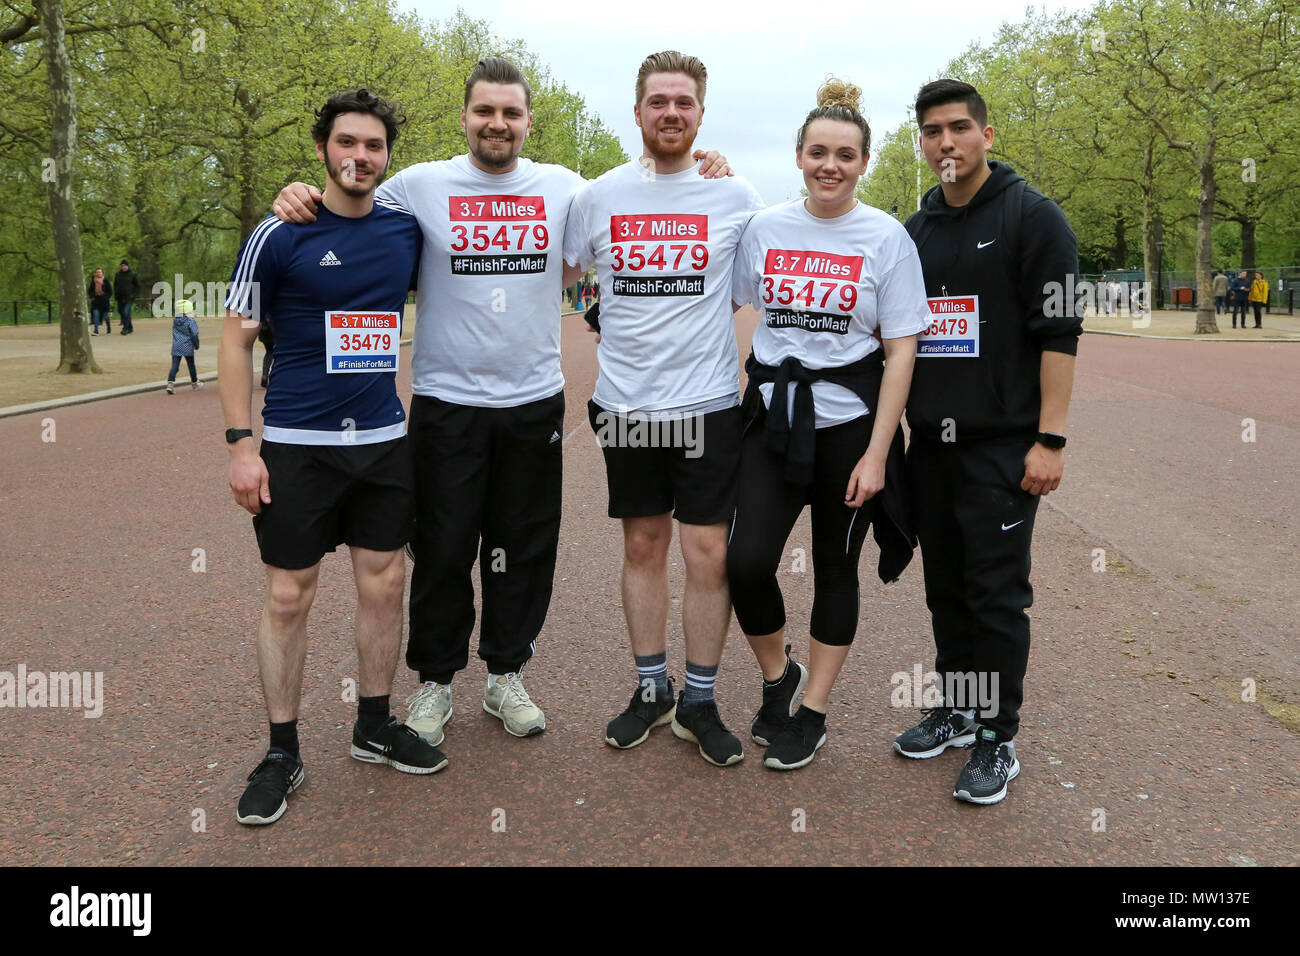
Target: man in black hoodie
(126, 286)
(987, 415)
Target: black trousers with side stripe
(488, 483)
(766, 510)
(975, 525)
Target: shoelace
(515, 693)
(987, 757)
(935, 718)
(421, 704)
(279, 763)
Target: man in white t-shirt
(666, 407)
(488, 401)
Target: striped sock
(699, 683)
(653, 667)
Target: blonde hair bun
(836, 92)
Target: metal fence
(1177, 289)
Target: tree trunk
(1150, 255)
(1205, 323)
(147, 257)
(1119, 253)
(75, 354)
(1248, 245)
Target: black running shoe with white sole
(991, 767)
(633, 726)
(798, 741)
(778, 701)
(702, 724)
(398, 746)
(277, 776)
(942, 728)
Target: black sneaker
(778, 701)
(633, 726)
(277, 776)
(797, 742)
(702, 724)
(398, 746)
(991, 767)
(942, 728)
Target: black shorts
(326, 495)
(690, 466)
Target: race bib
(498, 235)
(954, 330)
(662, 254)
(361, 341)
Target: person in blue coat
(185, 340)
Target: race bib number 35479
(954, 330)
(362, 341)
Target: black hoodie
(997, 393)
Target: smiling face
(495, 123)
(953, 143)
(669, 115)
(832, 162)
(356, 153)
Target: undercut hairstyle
(670, 61)
(838, 100)
(496, 69)
(357, 101)
(951, 91)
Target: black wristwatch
(1051, 440)
(235, 434)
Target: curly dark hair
(357, 101)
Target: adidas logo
(331, 259)
(555, 436)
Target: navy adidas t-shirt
(294, 275)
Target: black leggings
(766, 510)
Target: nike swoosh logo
(981, 245)
(1008, 527)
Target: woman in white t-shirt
(839, 285)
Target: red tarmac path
(1133, 700)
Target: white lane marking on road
(576, 429)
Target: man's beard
(668, 152)
(494, 161)
(348, 184)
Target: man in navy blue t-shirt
(333, 467)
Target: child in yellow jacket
(1258, 295)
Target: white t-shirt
(824, 286)
(488, 304)
(663, 246)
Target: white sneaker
(506, 698)
(428, 710)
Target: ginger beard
(669, 116)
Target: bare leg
(381, 580)
(824, 664)
(706, 609)
(645, 581)
(282, 639)
(769, 651)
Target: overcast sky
(765, 60)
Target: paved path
(1133, 702)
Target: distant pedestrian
(126, 286)
(1258, 296)
(1238, 294)
(99, 292)
(1220, 291)
(185, 341)
(1105, 300)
